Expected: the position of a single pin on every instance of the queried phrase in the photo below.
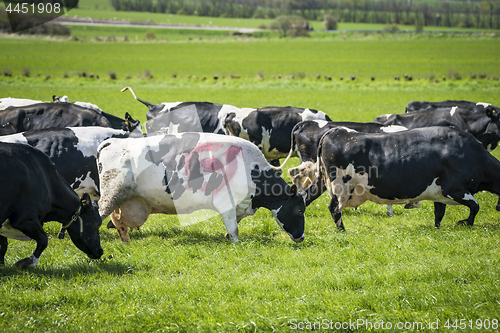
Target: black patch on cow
(346, 178)
(195, 180)
(180, 165)
(61, 146)
(232, 126)
(213, 182)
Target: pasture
(188, 278)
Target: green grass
(188, 278)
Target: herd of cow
(55, 157)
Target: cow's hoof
(25, 263)
(464, 223)
(110, 225)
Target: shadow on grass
(89, 267)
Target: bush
(330, 22)
(150, 35)
(290, 25)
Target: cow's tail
(292, 149)
(149, 105)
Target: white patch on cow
(483, 104)
(393, 129)
(9, 101)
(89, 138)
(453, 110)
(8, 231)
(87, 184)
(321, 123)
(350, 130)
(469, 197)
(309, 115)
(240, 115)
(14, 138)
(356, 191)
(168, 106)
(89, 106)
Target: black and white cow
(482, 121)
(183, 173)
(269, 128)
(9, 101)
(305, 140)
(73, 150)
(54, 115)
(417, 106)
(33, 193)
(441, 164)
(180, 117)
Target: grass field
(188, 278)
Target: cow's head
(84, 232)
(290, 214)
(131, 125)
(491, 135)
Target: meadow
(181, 277)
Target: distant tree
(330, 22)
(291, 25)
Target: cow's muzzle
(298, 240)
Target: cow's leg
(390, 211)
(231, 223)
(466, 199)
(334, 209)
(34, 230)
(439, 210)
(276, 163)
(3, 249)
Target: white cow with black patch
(183, 173)
(269, 128)
(444, 165)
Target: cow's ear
(293, 190)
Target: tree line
(447, 13)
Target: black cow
(445, 165)
(269, 128)
(180, 117)
(53, 115)
(73, 150)
(33, 192)
(483, 122)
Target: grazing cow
(73, 150)
(54, 115)
(182, 117)
(183, 173)
(416, 106)
(483, 121)
(33, 192)
(435, 163)
(269, 128)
